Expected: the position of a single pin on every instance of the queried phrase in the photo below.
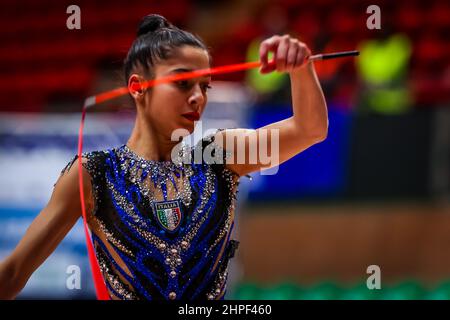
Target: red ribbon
(100, 287)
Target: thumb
(269, 67)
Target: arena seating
(40, 57)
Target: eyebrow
(182, 70)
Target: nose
(196, 97)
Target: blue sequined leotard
(161, 230)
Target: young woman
(162, 228)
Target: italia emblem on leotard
(168, 214)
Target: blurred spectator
(383, 67)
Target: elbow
(314, 133)
(318, 138)
(10, 284)
(322, 136)
(319, 135)
(323, 132)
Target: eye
(206, 86)
(183, 84)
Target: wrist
(307, 67)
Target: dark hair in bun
(152, 23)
(156, 38)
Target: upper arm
(265, 147)
(51, 225)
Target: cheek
(163, 101)
(168, 94)
(162, 114)
(204, 105)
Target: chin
(190, 128)
(183, 130)
(188, 125)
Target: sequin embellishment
(161, 230)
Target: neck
(146, 142)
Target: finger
(308, 52)
(292, 56)
(281, 55)
(301, 57)
(264, 49)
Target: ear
(135, 87)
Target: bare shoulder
(66, 191)
(236, 143)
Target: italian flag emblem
(168, 214)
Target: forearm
(310, 113)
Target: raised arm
(307, 126)
(45, 232)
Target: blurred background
(375, 192)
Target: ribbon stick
(100, 287)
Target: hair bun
(152, 23)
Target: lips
(192, 116)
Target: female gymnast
(162, 228)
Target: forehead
(185, 57)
